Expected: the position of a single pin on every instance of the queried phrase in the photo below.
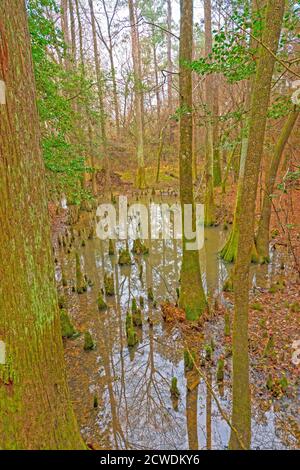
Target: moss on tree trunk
(35, 407)
(192, 297)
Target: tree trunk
(192, 297)
(66, 33)
(100, 98)
(216, 133)
(73, 33)
(35, 411)
(229, 251)
(170, 65)
(141, 179)
(241, 409)
(262, 239)
(157, 91)
(209, 208)
(112, 68)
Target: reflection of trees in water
(135, 394)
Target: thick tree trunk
(192, 297)
(241, 410)
(262, 238)
(141, 178)
(209, 207)
(35, 407)
(100, 98)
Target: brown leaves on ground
(171, 313)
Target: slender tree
(241, 410)
(99, 77)
(35, 406)
(262, 238)
(138, 94)
(209, 207)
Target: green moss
(220, 370)
(189, 360)
(88, 341)
(67, 327)
(101, 303)
(109, 284)
(174, 388)
(131, 337)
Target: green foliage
(62, 151)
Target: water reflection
(133, 385)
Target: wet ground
(132, 385)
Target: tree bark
(35, 406)
(241, 409)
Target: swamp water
(134, 408)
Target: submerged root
(109, 284)
(139, 248)
(89, 343)
(67, 328)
